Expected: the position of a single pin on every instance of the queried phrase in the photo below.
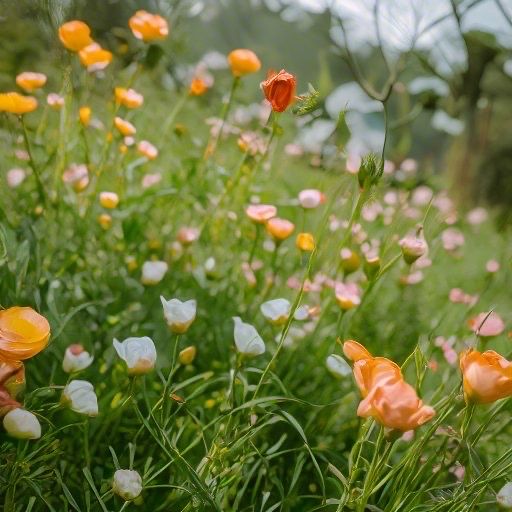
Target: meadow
(187, 295)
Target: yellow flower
(29, 81)
(305, 242)
(75, 35)
(84, 114)
(128, 97)
(187, 355)
(16, 103)
(125, 128)
(243, 62)
(109, 200)
(105, 220)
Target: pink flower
(151, 179)
(353, 163)
(452, 239)
(311, 198)
(187, 235)
(477, 216)
(487, 325)
(492, 266)
(421, 196)
(260, 213)
(15, 177)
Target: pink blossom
(487, 325)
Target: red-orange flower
(30, 81)
(386, 396)
(148, 27)
(23, 334)
(16, 103)
(487, 376)
(75, 35)
(279, 89)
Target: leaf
(342, 130)
(90, 480)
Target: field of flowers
(198, 314)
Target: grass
(276, 432)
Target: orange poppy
(279, 89)
(243, 62)
(279, 229)
(148, 27)
(125, 127)
(16, 103)
(75, 35)
(198, 87)
(94, 57)
(30, 81)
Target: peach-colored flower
(311, 198)
(261, 213)
(125, 127)
(94, 57)
(492, 266)
(76, 175)
(109, 200)
(55, 101)
(30, 81)
(147, 149)
(279, 229)
(151, 179)
(187, 235)
(148, 27)
(348, 295)
(487, 325)
(75, 35)
(128, 97)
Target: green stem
(33, 166)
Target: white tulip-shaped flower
(79, 395)
(504, 496)
(276, 311)
(22, 424)
(139, 354)
(76, 359)
(153, 272)
(247, 340)
(179, 315)
(338, 366)
(127, 484)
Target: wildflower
(348, 295)
(15, 103)
(148, 27)
(76, 359)
(260, 213)
(492, 266)
(413, 246)
(76, 175)
(452, 239)
(504, 496)
(371, 266)
(84, 114)
(279, 229)
(179, 315)
(477, 216)
(105, 220)
(128, 97)
(79, 395)
(94, 57)
(487, 325)
(147, 149)
(23, 334)
(487, 376)
(252, 143)
(75, 35)
(421, 196)
(153, 272)
(187, 355)
(187, 235)
(55, 101)
(247, 340)
(279, 90)
(109, 200)
(243, 62)
(338, 366)
(276, 311)
(30, 81)
(15, 177)
(151, 179)
(139, 354)
(305, 242)
(22, 424)
(127, 484)
(125, 127)
(386, 396)
(197, 87)
(350, 260)
(311, 198)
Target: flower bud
(187, 355)
(413, 247)
(153, 272)
(279, 90)
(311, 198)
(504, 496)
(105, 220)
(371, 266)
(22, 424)
(79, 395)
(127, 484)
(276, 311)
(279, 229)
(139, 354)
(109, 200)
(305, 242)
(76, 359)
(350, 260)
(84, 114)
(179, 315)
(247, 340)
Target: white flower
(81, 398)
(247, 339)
(504, 497)
(15, 177)
(76, 359)
(22, 424)
(338, 366)
(139, 354)
(179, 315)
(153, 271)
(301, 313)
(276, 311)
(311, 198)
(127, 484)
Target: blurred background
(449, 64)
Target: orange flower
(487, 376)
(29, 81)
(148, 27)
(125, 128)
(94, 57)
(279, 89)
(23, 334)
(260, 213)
(75, 35)
(305, 242)
(105, 220)
(279, 229)
(84, 114)
(198, 87)
(128, 97)
(147, 149)
(16, 103)
(386, 396)
(243, 62)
